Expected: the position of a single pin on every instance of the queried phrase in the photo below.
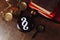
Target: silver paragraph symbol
(24, 23)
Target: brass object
(8, 17)
(23, 6)
(33, 12)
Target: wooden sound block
(8, 30)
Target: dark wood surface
(8, 30)
(47, 4)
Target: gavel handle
(41, 10)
